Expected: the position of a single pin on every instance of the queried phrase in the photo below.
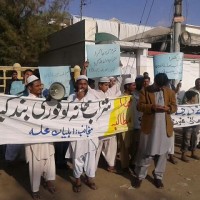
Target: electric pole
(178, 19)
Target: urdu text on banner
(25, 120)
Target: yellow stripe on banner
(121, 117)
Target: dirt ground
(181, 181)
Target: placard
(103, 60)
(61, 74)
(17, 87)
(169, 63)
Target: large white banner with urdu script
(26, 120)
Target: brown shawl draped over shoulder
(147, 99)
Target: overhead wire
(147, 19)
(140, 22)
(171, 26)
(171, 16)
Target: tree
(25, 26)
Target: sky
(130, 11)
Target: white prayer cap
(82, 77)
(111, 77)
(104, 80)
(128, 81)
(31, 79)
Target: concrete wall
(67, 56)
(67, 47)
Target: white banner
(186, 115)
(25, 120)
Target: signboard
(104, 60)
(169, 63)
(16, 87)
(61, 74)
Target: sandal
(36, 195)
(92, 185)
(77, 188)
(172, 159)
(112, 170)
(50, 187)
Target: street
(181, 182)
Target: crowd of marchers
(153, 102)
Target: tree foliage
(25, 26)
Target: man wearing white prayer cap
(31, 79)
(128, 81)
(82, 77)
(112, 81)
(107, 145)
(39, 156)
(125, 138)
(83, 152)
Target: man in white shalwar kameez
(83, 152)
(107, 145)
(157, 102)
(39, 156)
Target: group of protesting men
(151, 139)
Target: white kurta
(156, 142)
(83, 151)
(108, 145)
(112, 92)
(41, 161)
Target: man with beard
(107, 145)
(157, 102)
(83, 152)
(39, 156)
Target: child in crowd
(189, 140)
